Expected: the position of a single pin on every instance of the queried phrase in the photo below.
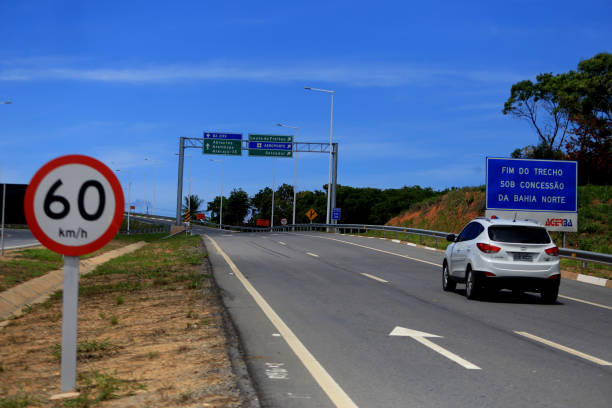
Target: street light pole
(297, 129)
(154, 182)
(221, 197)
(129, 202)
(273, 188)
(331, 132)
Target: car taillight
(554, 251)
(488, 249)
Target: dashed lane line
(311, 254)
(377, 250)
(565, 348)
(318, 372)
(435, 264)
(585, 301)
(375, 278)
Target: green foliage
(539, 104)
(572, 116)
(236, 208)
(359, 205)
(17, 401)
(193, 204)
(214, 207)
(96, 387)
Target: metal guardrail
(579, 255)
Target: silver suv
(502, 254)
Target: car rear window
(519, 234)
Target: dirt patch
(161, 344)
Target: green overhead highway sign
(222, 143)
(270, 138)
(271, 145)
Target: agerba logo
(558, 222)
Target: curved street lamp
(331, 132)
(297, 129)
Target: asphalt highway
(18, 238)
(316, 313)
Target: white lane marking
(276, 335)
(375, 278)
(586, 301)
(282, 243)
(275, 371)
(377, 250)
(397, 241)
(565, 348)
(318, 372)
(431, 249)
(420, 337)
(311, 254)
(411, 244)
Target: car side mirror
(451, 237)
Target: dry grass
(162, 345)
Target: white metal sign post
(74, 206)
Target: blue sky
(419, 85)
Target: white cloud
(352, 74)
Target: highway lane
(18, 238)
(316, 284)
(344, 318)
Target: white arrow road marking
(318, 372)
(311, 254)
(565, 348)
(375, 277)
(421, 338)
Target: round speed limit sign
(74, 205)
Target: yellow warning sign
(311, 214)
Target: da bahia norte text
(535, 185)
(528, 198)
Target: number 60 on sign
(74, 205)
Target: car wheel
(447, 283)
(471, 285)
(549, 294)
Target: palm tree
(192, 203)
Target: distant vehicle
(494, 254)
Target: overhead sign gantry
(232, 144)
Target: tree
(237, 207)
(539, 104)
(192, 203)
(261, 205)
(591, 146)
(214, 207)
(588, 101)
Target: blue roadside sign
(270, 145)
(544, 190)
(336, 212)
(224, 136)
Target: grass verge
(150, 334)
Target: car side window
(463, 235)
(476, 231)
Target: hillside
(451, 211)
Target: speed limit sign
(74, 205)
